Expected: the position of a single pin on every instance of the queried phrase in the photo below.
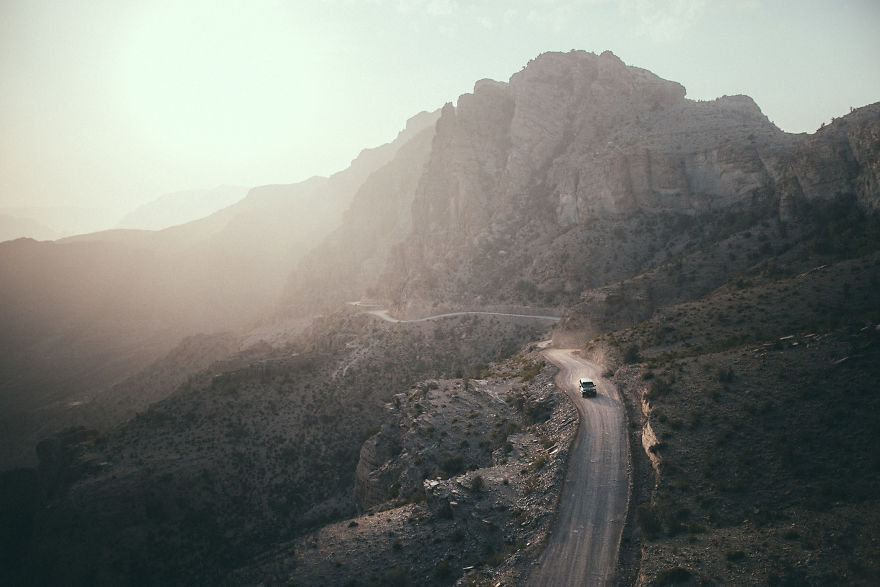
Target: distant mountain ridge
(181, 207)
(50, 222)
(13, 227)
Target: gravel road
(383, 314)
(582, 548)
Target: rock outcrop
(372, 479)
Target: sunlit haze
(109, 105)
(435, 292)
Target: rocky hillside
(459, 484)
(750, 403)
(246, 454)
(761, 436)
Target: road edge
(641, 474)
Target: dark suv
(588, 388)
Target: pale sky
(112, 103)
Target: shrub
(477, 483)
(530, 370)
(647, 521)
(536, 465)
(631, 354)
(496, 559)
(657, 388)
(673, 576)
(417, 496)
(443, 569)
(452, 465)
(656, 447)
(533, 411)
(396, 576)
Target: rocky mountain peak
(571, 140)
(567, 116)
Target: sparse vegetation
(290, 421)
(719, 405)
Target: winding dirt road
(583, 546)
(383, 314)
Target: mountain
(59, 220)
(13, 227)
(181, 207)
(83, 314)
(527, 180)
(720, 270)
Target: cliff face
(572, 141)
(372, 477)
(841, 158)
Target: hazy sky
(112, 103)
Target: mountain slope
(181, 207)
(347, 262)
(751, 417)
(243, 455)
(747, 368)
(82, 314)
